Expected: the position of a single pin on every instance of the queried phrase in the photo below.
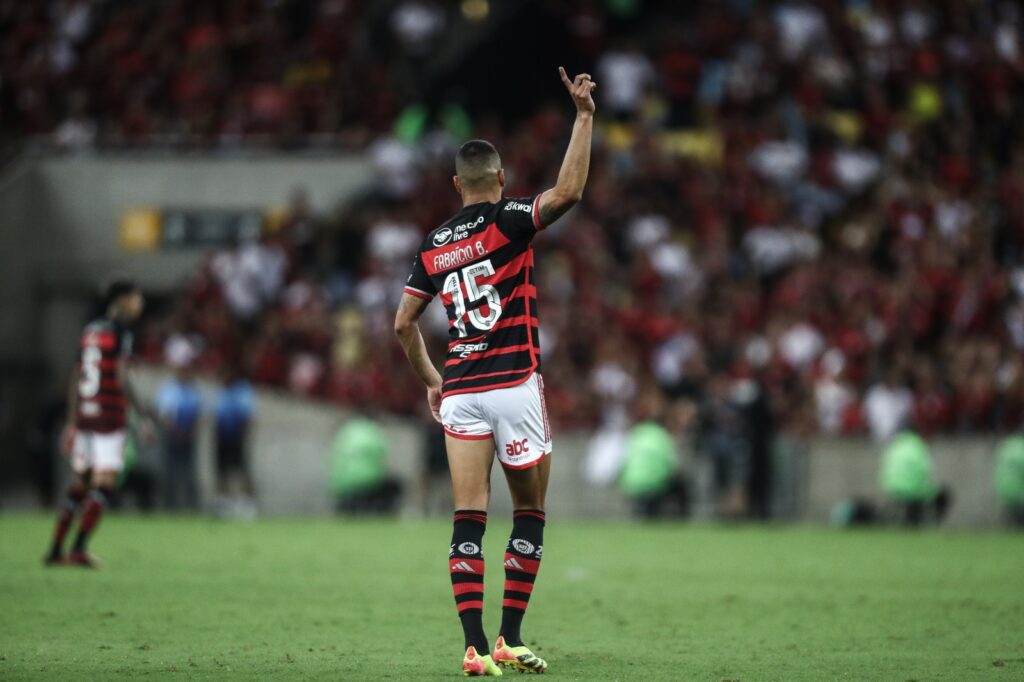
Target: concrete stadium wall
(61, 218)
(20, 242)
(290, 464)
(85, 198)
(838, 469)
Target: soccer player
(94, 436)
(492, 397)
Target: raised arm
(573, 175)
(407, 329)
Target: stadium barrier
(290, 462)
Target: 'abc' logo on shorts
(517, 447)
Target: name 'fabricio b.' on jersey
(481, 263)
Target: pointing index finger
(565, 77)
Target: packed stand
(823, 201)
(196, 74)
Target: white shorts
(97, 451)
(515, 417)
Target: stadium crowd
(823, 200)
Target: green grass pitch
(185, 598)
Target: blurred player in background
(94, 435)
(492, 396)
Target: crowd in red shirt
(826, 198)
(198, 74)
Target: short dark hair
(477, 164)
(117, 287)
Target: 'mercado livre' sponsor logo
(443, 236)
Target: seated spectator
(624, 73)
(888, 404)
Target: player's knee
(471, 501)
(532, 498)
(106, 480)
(76, 494)
(103, 494)
(528, 503)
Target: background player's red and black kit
(481, 263)
(102, 404)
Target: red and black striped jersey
(481, 263)
(101, 399)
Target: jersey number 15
(475, 292)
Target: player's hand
(67, 439)
(434, 400)
(580, 88)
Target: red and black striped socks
(522, 560)
(466, 565)
(65, 517)
(98, 500)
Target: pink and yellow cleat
(518, 658)
(475, 665)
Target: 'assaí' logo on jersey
(464, 350)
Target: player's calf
(65, 517)
(97, 501)
(522, 561)
(466, 566)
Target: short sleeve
(418, 284)
(520, 218)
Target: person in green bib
(359, 475)
(1009, 477)
(907, 479)
(651, 476)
